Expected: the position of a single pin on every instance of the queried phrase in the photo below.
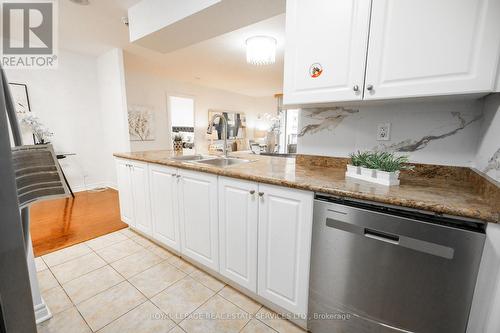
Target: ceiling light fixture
(261, 50)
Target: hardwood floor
(56, 224)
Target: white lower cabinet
(265, 240)
(164, 205)
(238, 225)
(256, 235)
(285, 227)
(140, 194)
(124, 183)
(199, 217)
(133, 186)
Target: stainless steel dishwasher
(383, 269)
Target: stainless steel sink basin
(191, 157)
(222, 162)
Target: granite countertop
(443, 195)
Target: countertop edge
(413, 204)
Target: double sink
(220, 162)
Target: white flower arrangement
(273, 121)
(39, 130)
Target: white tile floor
(122, 282)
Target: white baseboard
(42, 312)
(92, 186)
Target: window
(182, 118)
(289, 125)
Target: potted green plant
(369, 164)
(389, 169)
(378, 167)
(178, 145)
(357, 160)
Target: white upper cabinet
(164, 205)
(389, 49)
(124, 182)
(199, 217)
(325, 54)
(284, 247)
(140, 194)
(238, 222)
(429, 47)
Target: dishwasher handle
(393, 239)
(381, 236)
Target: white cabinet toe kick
(255, 237)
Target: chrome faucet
(224, 129)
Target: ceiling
(218, 62)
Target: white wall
(486, 303)
(488, 152)
(340, 131)
(147, 88)
(67, 101)
(83, 102)
(113, 105)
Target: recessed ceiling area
(219, 62)
(169, 25)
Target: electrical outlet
(384, 132)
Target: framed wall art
(20, 97)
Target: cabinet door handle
(369, 87)
(252, 191)
(355, 88)
(261, 194)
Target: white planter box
(368, 173)
(388, 178)
(372, 175)
(355, 170)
